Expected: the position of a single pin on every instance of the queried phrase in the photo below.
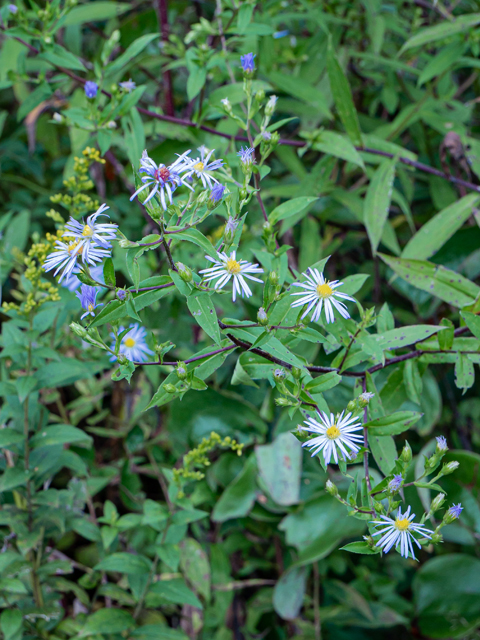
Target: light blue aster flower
(248, 63)
(395, 483)
(91, 89)
(203, 169)
(133, 344)
(92, 234)
(217, 193)
(247, 155)
(128, 85)
(399, 533)
(453, 513)
(88, 298)
(442, 446)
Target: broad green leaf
(290, 208)
(11, 622)
(202, 309)
(360, 547)
(342, 96)
(60, 434)
(157, 632)
(289, 593)
(9, 437)
(334, 144)
(441, 61)
(107, 621)
(132, 51)
(112, 311)
(461, 24)
(473, 323)
(301, 90)
(175, 591)
(244, 16)
(195, 567)
(146, 298)
(196, 81)
(434, 234)
(464, 372)
(324, 382)
(377, 202)
(449, 286)
(13, 477)
(109, 272)
(279, 466)
(60, 57)
(128, 563)
(38, 95)
(383, 450)
(193, 235)
(392, 424)
(95, 12)
(238, 498)
(405, 336)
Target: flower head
(281, 34)
(336, 434)
(202, 168)
(399, 532)
(248, 63)
(162, 179)
(226, 103)
(395, 483)
(91, 89)
(12, 8)
(92, 233)
(67, 254)
(87, 296)
(133, 344)
(227, 267)
(442, 446)
(318, 293)
(247, 155)
(366, 396)
(266, 135)
(453, 513)
(217, 193)
(128, 85)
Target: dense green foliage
(173, 499)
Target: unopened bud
(270, 106)
(351, 406)
(273, 277)
(78, 330)
(170, 388)
(230, 228)
(436, 538)
(181, 371)
(406, 455)
(47, 40)
(453, 513)
(442, 446)
(296, 373)
(279, 375)
(378, 506)
(437, 502)
(262, 317)
(364, 398)
(260, 96)
(121, 294)
(57, 117)
(267, 226)
(331, 489)
(184, 272)
(283, 402)
(111, 124)
(450, 467)
(122, 359)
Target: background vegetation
(107, 529)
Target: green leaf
(9, 437)
(157, 632)
(41, 93)
(384, 451)
(132, 51)
(196, 81)
(441, 61)
(377, 202)
(393, 424)
(447, 336)
(175, 591)
(60, 434)
(11, 623)
(60, 57)
(289, 593)
(342, 96)
(473, 323)
(461, 24)
(244, 16)
(12, 478)
(334, 144)
(195, 566)
(405, 336)
(301, 90)
(279, 466)
(109, 272)
(133, 267)
(128, 563)
(464, 372)
(202, 309)
(360, 547)
(290, 208)
(434, 234)
(324, 382)
(146, 298)
(107, 621)
(238, 498)
(447, 285)
(95, 12)
(112, 311)
(193, 235)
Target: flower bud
(122, 359)
(230, 228)
(57, 117)
(270, 106)
(262, 317)
(453, 513)
(121, 294)
(378, 506)
(351, 406)
(184, 272)
(279, 375)
(450, 467)
(170, 388)
(331, 489)
(296, 373)
(273, 277)
(78, 330)
(364, 398)
(437, 502)
(436, 538)
(260, 96)
(406, 455)
(181, 371)
(111, 124)
(283, 402)
(442, 446)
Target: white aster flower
(66, 255)
(319, 292)
(202, 168)
(335, 434)
(228, 267)
(366, 396)
(133, 344)
(162, 179)
(399, 532)
(92, 234)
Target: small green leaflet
(290, 208)
(377, 202)
(193, 235)
(339, 146)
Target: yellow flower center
(333, 432)
(324, 290)
(129, 342)
(199, 166)
(402, 524)
(233, 266)
(90, 307)
(87, 231)
(72, 247)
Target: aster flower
(133, 344)
(92, 234)
(72, 283)
(442, 446)
(91, 89)
(335, 434)
(202, 168)
(395, 483)
(248, 62)
(320, 292)
(281, 34)
(453, 513)
(247, 155)
(228, 267)
(399, 532)
(66, 255)
(217, 193)
(88, 297)
(266, 135)
(12, 8)
(366, 396)
(128, 85)
(163, 179)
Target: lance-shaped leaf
(290, 208)
(377, 202)
(433, 235)
(404, 336)
(202, 309)
(461, 24)
(394, 423)
(342, 96)
(464, 372)
(339, 146)
(444, 283)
